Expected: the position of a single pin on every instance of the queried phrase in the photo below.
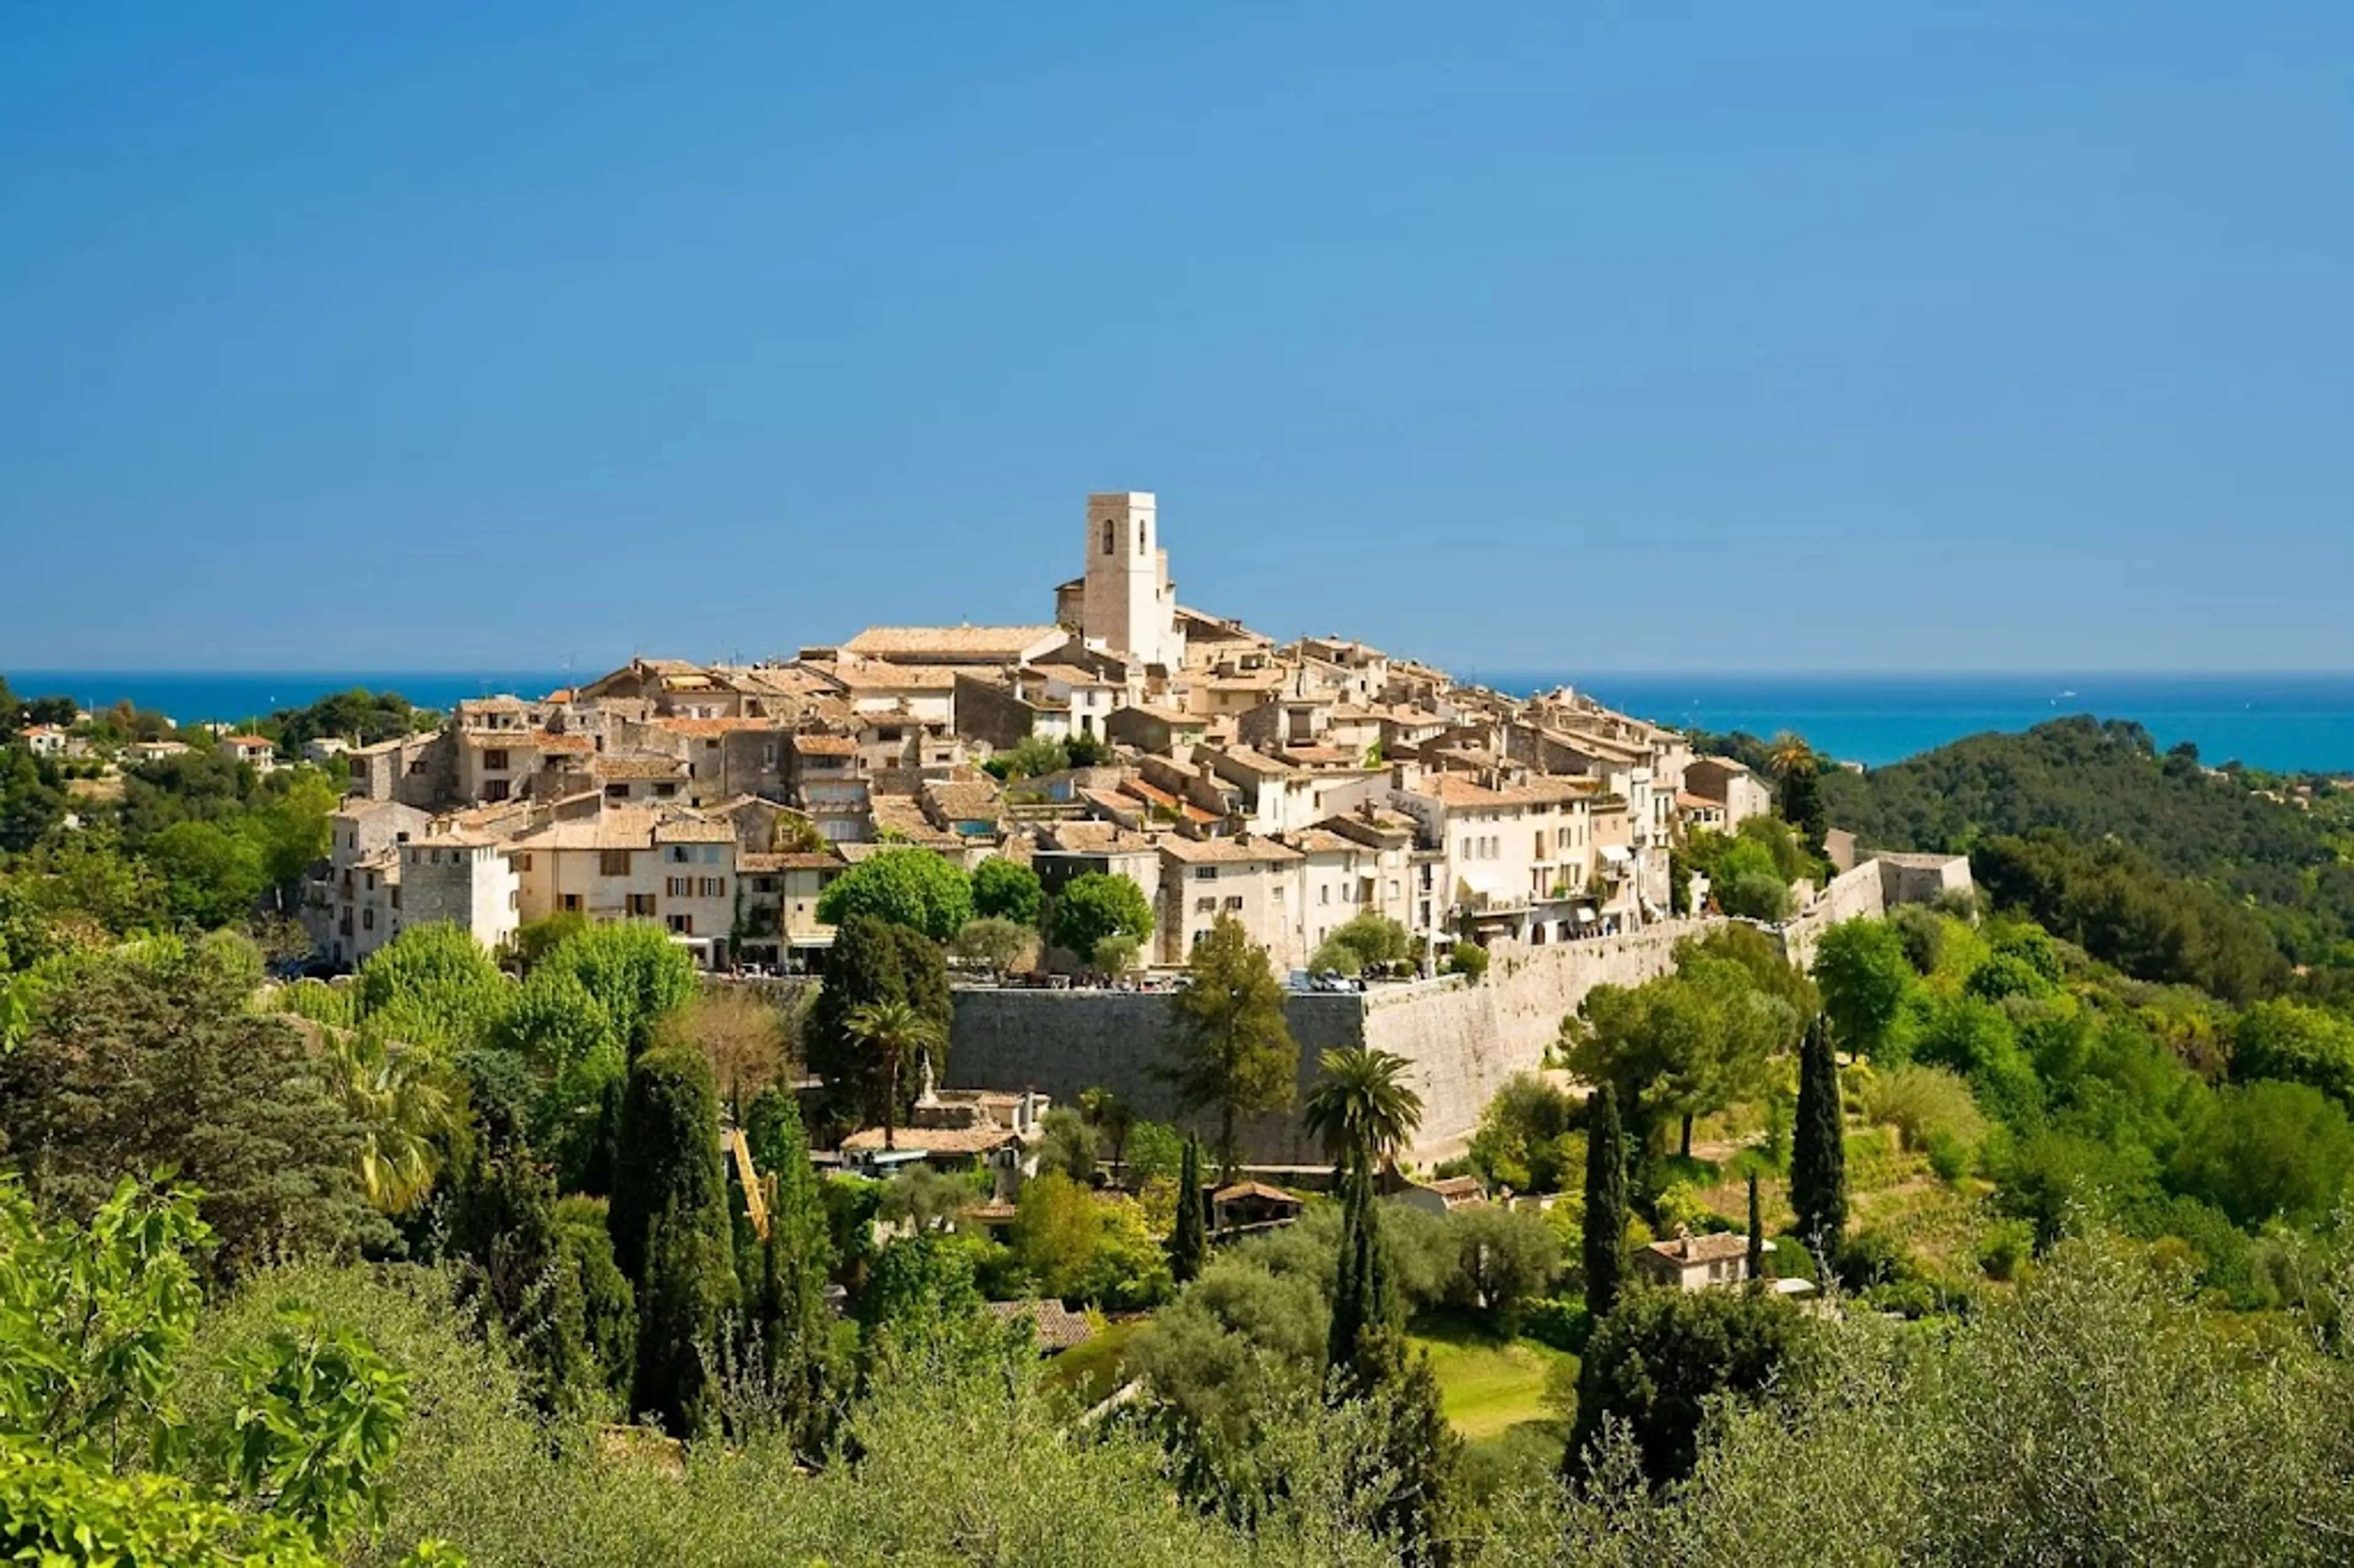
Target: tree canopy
(911, 887)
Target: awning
(1616, 854)
(1586, 914)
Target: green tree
(212, 875)
(684, 1309)
(1662, 1356)
(910, 887)
(433, 987)
(669, 1153)
(1361, 943)
(871, 963)
(1097, 905)
(1756, 1254)
(1367, 1315)
(1819, 1148)
(1361, 1111)
(1007, 890)
(1189, 1241)
(1800, 799)
(638, 976)
(150, 1060)
(789, 1308)
(1865, 977)
(2267, 1151)
(397, 1095)
(1068, 1145)
(892, 1031)
(1508, 1259)
(503, 1227)
(1230, 1049)
(1605, 1203)
(2296, 1043)
(997, 944)
(1524, 1140)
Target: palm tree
(395, 1093)
(1362, 1112)
(1787, 753)
(892, 1029)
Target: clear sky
(1555, 337)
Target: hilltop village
(1288, 786)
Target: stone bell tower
(1131, 606)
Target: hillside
(2107, 789)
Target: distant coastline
(2286, 723)
(2281, 721)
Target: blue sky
(1875, 336)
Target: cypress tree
(789, 1309)
(1819, 1147)
(1365, 1318)
(672, 1235)
(1605, 1203)
(1802, 806)
(1189, 1242)
(689, 1295)
(1756, 1233)
(666, 1148)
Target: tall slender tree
(1819, 1147)
(1189, 1240)
(789, 1309)
(1605, 1203)
(1232, 1050)
(1366, 1316)
(1756, 1259)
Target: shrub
(2004, 1250)
(1926, 1106)
(1469, 960)
(1560, 1322)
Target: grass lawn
(1487, 1386)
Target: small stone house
(1693, 1263)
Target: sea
(2283, 723)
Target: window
(1324, 893)
(367, 919)
(678, 854)
(641, 905)
(617, 791)
(522, 862)
(569, 902)
(416, 766)
(396, 896)
(714, 887)
(1205, 873)
(682, 924)
(1233, 904)
(664, 791)
(710, 746)
(678, 887)
(494, 790)
(1111, 542)
(514, 898)
(1205, 905)
(496, 760)
(612, 863)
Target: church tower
(1131, 606)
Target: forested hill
(2123, 809)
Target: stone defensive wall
(1463, 1040)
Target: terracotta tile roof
(981, 644)
(712, 726)
(877, 676)
(693, 831)
(964, 800)
(794, 861)
(1057, 1326)
(949, 1140)
(610, 767)
(555, 745)
(247, 742)
(1241, 1189)
(1717, 1246)
(1226, 851)
(1095, 838)
(825, 745)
